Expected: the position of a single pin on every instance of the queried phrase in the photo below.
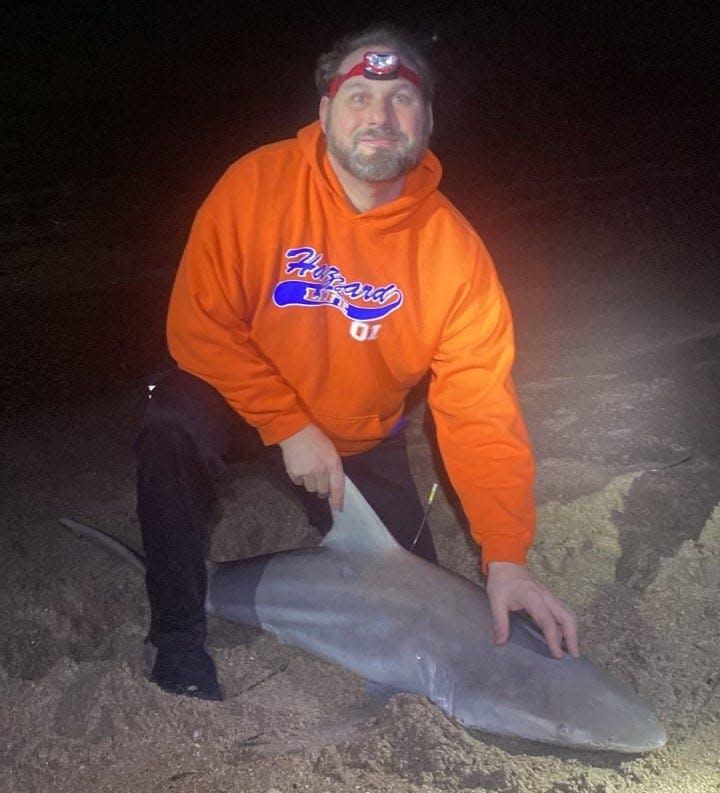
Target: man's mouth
(378, 138)
(377, 142)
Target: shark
(362, 601)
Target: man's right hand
(311, 460)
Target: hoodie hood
(420, 184)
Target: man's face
(377, 130)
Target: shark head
(567, 701)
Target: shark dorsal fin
(357, 528)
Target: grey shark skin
(361, 600)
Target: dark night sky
(226, 47)
(651, 66)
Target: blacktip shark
(361, 600)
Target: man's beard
(381, 164)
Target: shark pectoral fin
(437, 683)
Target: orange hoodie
(297, 308)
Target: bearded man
(324, 276)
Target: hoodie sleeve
(481, 433)
(208, 331)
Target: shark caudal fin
(357, 528)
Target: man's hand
(311, 460)
(512, 587)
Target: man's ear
(324, 111)
(430, 120)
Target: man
(323, 277)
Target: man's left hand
(512, 587)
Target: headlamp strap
(377, 66)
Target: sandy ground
(617, 303)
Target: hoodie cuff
(502, 550)
(282, 427)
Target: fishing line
(423, 522)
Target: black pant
(189, 433)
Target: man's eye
(358, 99)
(402, 99)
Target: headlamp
(377, 66)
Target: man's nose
(380, 112)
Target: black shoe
(181, 668)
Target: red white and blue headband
(377, 66)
